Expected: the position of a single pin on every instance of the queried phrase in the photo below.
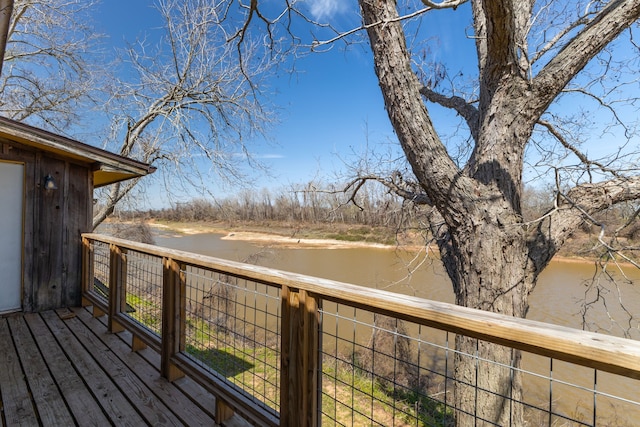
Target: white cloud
(323, 9)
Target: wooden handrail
(607, 353)
(300, 329)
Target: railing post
(116, 262)
(87, 270)
(122, 283)
(299, 363)
(173, 317)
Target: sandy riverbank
(268, 238)
(264, 237)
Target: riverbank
(284, 236)
(338, 236)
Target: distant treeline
(309, 206)
(373, 206)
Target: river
(558, 298)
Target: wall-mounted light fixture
(50, 183)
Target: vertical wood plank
(97, 312)
(311, 354)
(289, 304)
(182, 307)
(168, 316)
(50, 251)
(122, 283)
(173, 325)
(87, 270)
(137, 344)
(68, 247)
(78, 207)
(299, 358)
(31, 213)
(223, 412)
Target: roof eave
(108, 168)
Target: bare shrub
(218, 304)
(388, 355)
(138, 231)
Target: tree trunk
(487, 393)
(483, 245)
(490, 256)
(487, 262)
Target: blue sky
(329, 108)
(332, 106)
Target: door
(11, 206)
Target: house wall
(54, 220)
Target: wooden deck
(64, 369)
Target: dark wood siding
(54, 220)
(79, 208)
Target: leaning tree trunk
(492, 262)
(484, 245)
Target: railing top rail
(607, 353)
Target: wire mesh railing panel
(382, 371)
(233, 331)
(101, 270)
(572, 395)
(143, 298)
(377, 370)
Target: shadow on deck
(64, 368)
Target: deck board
(83, 406)
(113, 402)
(72, 372)
(139, 395)
(164, 393)
(50, 405)
(195, 391)
(17, 408)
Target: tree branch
(601, 30)
(581, 156)
(460, 105)
(502, 43)
(603, 104)
(431, 164)
(571, 210)
(395, 184)
(117, 192)
(429, 5)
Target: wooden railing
(301, 299)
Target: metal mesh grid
(381, 371)
(101, 270)
(144, 290)
(561, 393)
(374, 371)
(232, 330)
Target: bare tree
(186, 103)
(532, 56)
(49, 75)
(193, 105)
